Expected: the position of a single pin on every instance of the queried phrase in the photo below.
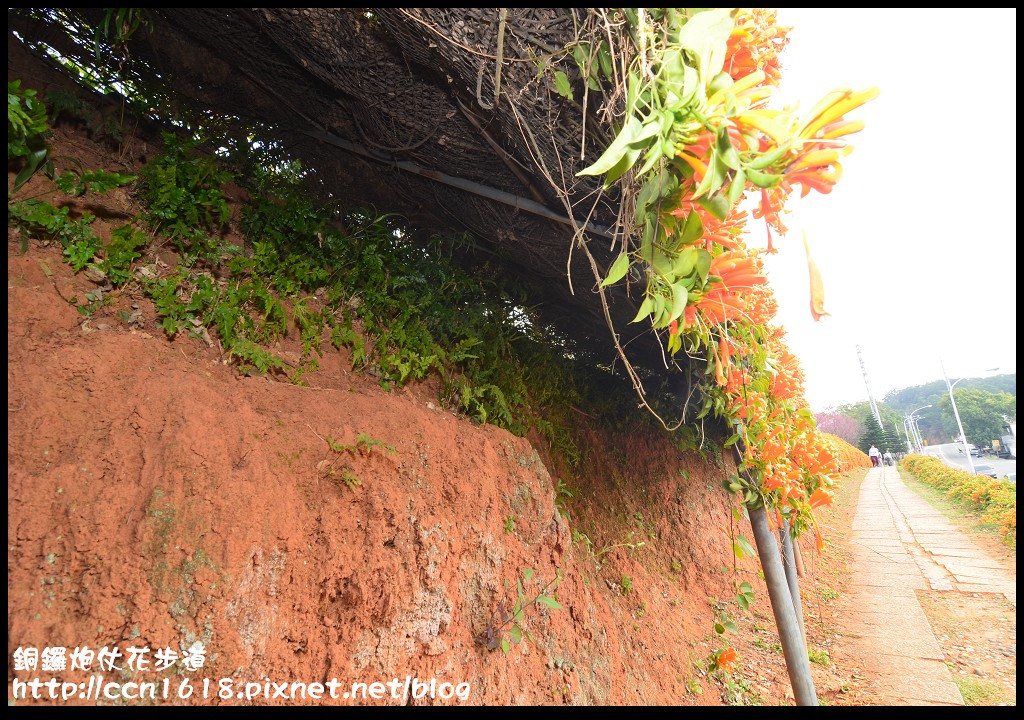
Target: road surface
(952, 455)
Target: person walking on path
(875, 455)
(888, 458)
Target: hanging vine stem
(502, 17)
(578, 238)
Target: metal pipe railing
(793, 649)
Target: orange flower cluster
(788, 381)
(771, 207)
(816, 148)
(758, 383)
(726, 233)
(761, 304)
(755, 44)
(739, 270)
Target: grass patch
(980, 692)
(966, 518)
(819, 657)
(996, 499)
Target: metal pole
(913, 431)
(912, 418)
(521, 203)
(800, 570)
(789, 565)
(956, 413)
(793, 648)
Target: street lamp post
(906, 432)
(915, 431)
(952, 400)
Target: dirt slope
(157, 498)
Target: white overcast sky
(917, 242)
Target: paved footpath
(901, 544)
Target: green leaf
(580, 54)
(745, 587)
(721, 81)
(769, 158)
(33, 161)
(659, 320)
(632, 92)
(693, 230)
(686, 260)
(562, 86)
(654, 154)
(726, 152)
(647, 240)
(705, 184)
(528, 574)
(604, 58)
(661, 263)
(730, 626)
(705, 35)
(739, 181)
(515, 633)
(742, 601)
(703, 264)
(718, 205)
(548, 601)
(616, 272)
(675, 344)
(678, 302)
(719, 628)
(645, 309)
(744, 545)
(763, 180)
(505, 647)
(615, 152)
(659, 185)
(678, 79)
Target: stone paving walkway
(901, 544)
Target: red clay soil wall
(157, 498)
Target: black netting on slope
(416, 86)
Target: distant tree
(839, 425)
(981, 413)
(935, 425)
(893, 442)
(872, 435)
(862, 411)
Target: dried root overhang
(459, 119)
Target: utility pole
(956, 413)
(867, 385)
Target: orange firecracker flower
(755, 43)
(727, 659)
(821, 497)
(817, 286)
(727, 233)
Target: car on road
(985, 470)
(974, 451)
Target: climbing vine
(697, 138)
